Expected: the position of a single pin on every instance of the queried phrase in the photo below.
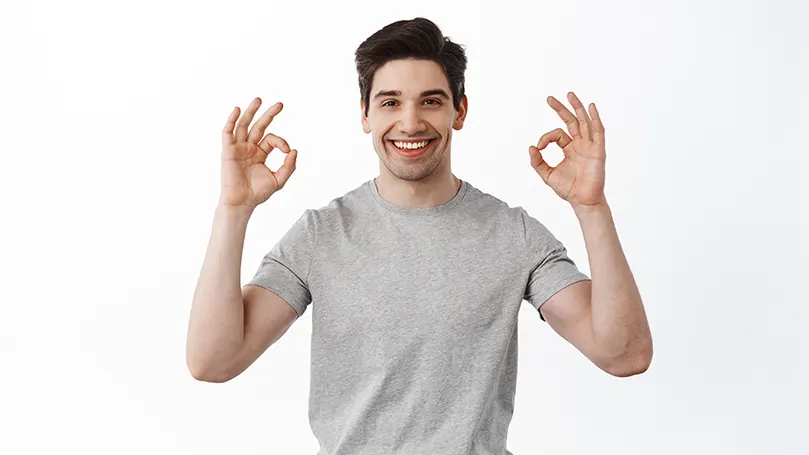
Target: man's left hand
(579, 177)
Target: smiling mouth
(410, 147)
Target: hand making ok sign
(579, 177)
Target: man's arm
(230, 326)
(603, 318)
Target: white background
(111, 119)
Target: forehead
(411, 76)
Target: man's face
(411, 104)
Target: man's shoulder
(341, 205)
(486, 204)
(334, 211)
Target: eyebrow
(436, 91)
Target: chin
(410, 175)
(410, 171)
(412, 166)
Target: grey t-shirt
(414, 317)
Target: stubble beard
(415, 169)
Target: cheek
(443, 122)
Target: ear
(462, 110)
(366, 126)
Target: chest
(410, 288)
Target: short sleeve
(551, 270)
(284, 270)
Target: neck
(423, 193)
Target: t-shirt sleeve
(551, 270)
(284, 270)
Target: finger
(539, 164)
(227, 131)
(257, 131)
(285, 171)
(598, 125)
(271, 142)
(244, 121)
(581, 114)
(558, 135)
(570, 120)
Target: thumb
(286, 170)
(539, 164)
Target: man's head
(411, 82)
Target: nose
(410, 121)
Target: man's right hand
(246, 179)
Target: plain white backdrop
(111, 120)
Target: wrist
(583, 211)
(233, 211)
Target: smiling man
(411, 104)
(411, 127)
(415, 278)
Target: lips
(413, 153)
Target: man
(415, 277)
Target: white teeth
(410, 145)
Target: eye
(386, 103)
(435, 101)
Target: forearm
(620, 328)
(216, 325)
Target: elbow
(204, 375)
(631, 364)
(205, 372)
(628, 369)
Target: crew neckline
(417, 211)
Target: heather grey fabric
(414, 317)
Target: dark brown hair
(417, 38)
